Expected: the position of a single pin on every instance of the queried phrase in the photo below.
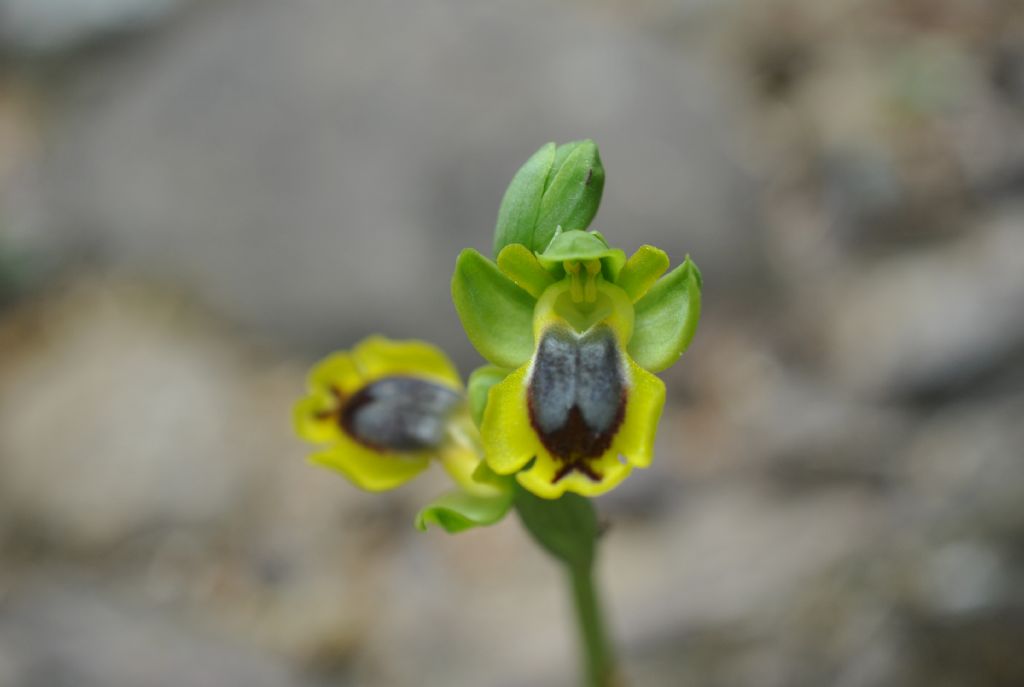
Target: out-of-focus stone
(749, 580)
(964, 470)
(46, 26)
(313, 170)
(65, 634)
(874, 125)
(963, 578)
(743, 548)
(753, 410)
(118, 416)
(920, 324)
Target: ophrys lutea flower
(384, 410)
(579, 330)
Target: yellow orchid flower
(578, 330)
(383, 410)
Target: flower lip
(576, 397)
(398, 414)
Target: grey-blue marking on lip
(399, 414)
(576, 396)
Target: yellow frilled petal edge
(314, 416)
(369, 469)
(539, 478)
(377, 357)
(508, 437)
(510, 441)
(635, 439)
(336, 371)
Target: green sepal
(496, 314)
(478, 386)
(458, 511)
(520, 264)
(580, 245)
(557, 186)
(642, 271)
(666, 318)
(565, 527)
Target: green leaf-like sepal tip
(496, 314)
(458, 511)
(666, 318)
(557, 186)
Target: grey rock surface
(111, 410)
(922, 323)
(37, 27)
(66, 635)
(312, 169)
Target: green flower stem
(567, 529)
(597, 657)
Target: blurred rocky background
(198, 198)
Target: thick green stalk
(567, 529)
(597, 658)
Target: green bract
(458, 511)
(483, 502)
(559, 186)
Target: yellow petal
(336, 371)
(460, 455)
(539, 479)
(642, 269)
(612, 471)
(645, 401)
(460, 463)
(369, 469)
(520, 264)
(312, 422)
(508, 438)
(377, 357)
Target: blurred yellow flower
(383, 410)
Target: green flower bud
(559, 186)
